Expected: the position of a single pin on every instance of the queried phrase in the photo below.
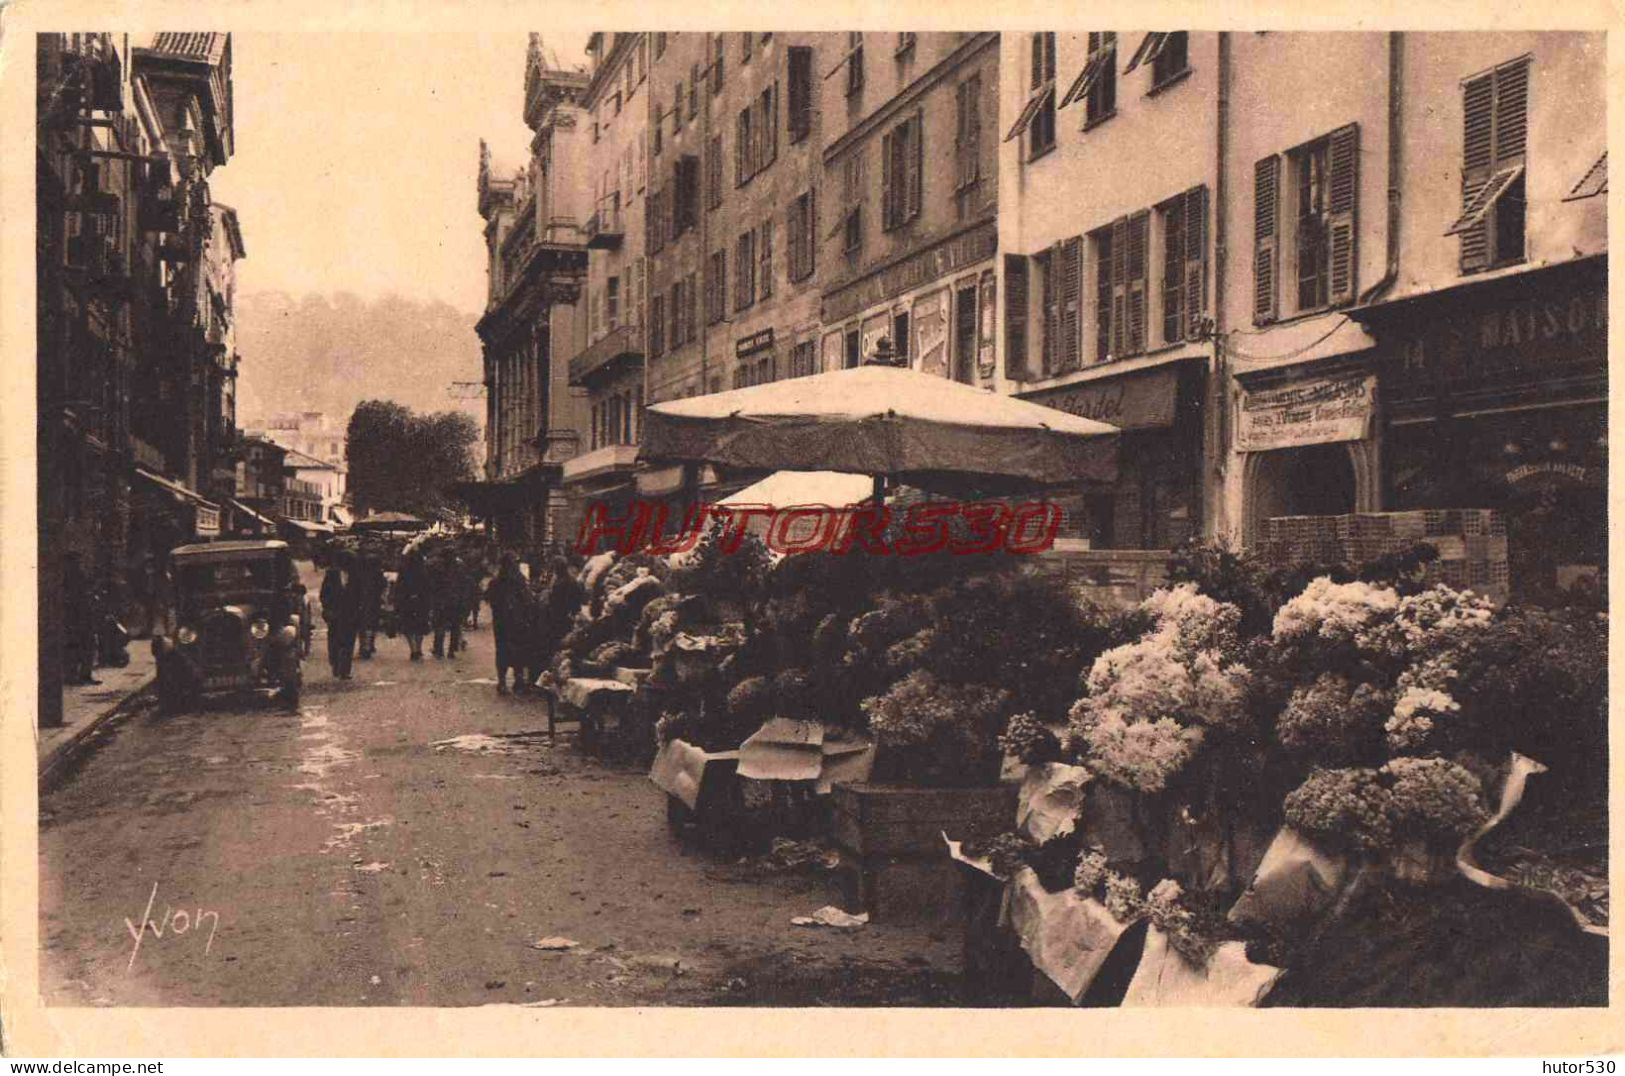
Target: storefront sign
(930, 321)
(1308, 413)
(959, 253)
(757, 341)
(1533, 346)
(1136, 401)
(206, 521)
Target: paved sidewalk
(86, 706)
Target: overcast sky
(357, 156)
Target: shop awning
(794, 489)
(205, 513)
(1141, 399)
(341, 515)
(308, 527)
(264, 521)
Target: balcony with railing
(605, 230)
(621, 344)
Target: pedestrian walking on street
(510, 622)
(341, 609)
(449, 604)
(370, 585)
(413, 602)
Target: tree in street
(406, 462)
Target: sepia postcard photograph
(943, 520)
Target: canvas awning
(264, 521)
(884, 420)
(205, 513)
(794, 489)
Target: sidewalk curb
(59, 759)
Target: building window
(1495, 135)
(764, 246)
(716, 64)
(854, 62)
(657, 325)
(612, 302)
(693, 90)
(746, 40)
(716, 288)
(902, 173)
(1120, 287)
(677, 315)
(1184, 265)
(1309, 166)
(801, 225)
(744, 145)
(967, 145)
(851, 224)
(1100, 90)
(1168, 54)
(852, 232)
(804, 359)
(1325, 178)
(1037, 117)
(767, 127)
(677, 109)
(800, 101)
(1015, 317)
(899, 335)
(745, 270)
(854, 348)
(687, 210)
(713, 173)
(1060, 285)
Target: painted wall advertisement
(1307, 413)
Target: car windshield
(226, 578)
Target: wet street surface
(408, 838)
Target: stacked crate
(1472, 543)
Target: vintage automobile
(234, 623)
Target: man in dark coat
(341, 609)
(413, 601)
(560, 596)
(370, 585)
(510, 622)
(447, 582)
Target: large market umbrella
(884, 421)
(795, 489)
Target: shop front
(1495, 396)
(936, 305)
(1306, 438)
(1156, 502)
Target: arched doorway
(1313, 480)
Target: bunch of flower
(1091, 872)
(672, 725)
(1333, 720)
(1348, 808)
(751, 700)
(1147, 703)
(1165, 905)
(1025, 738)
(1140, 755)
(919, 707)
(1416, 716)
(908, 653)
(1333, 612)
(1005, 853)
(1434, 798)
(1427, 623)
(892, 620)
(1124, 898)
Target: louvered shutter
(1139, 229)
(1511, 112)
(773, 124)
(888, 180)
(916, 164)
(1119, 314)
(1049, 266)
(1173, 271)
(1342, 203)
(1478, 133)
(1266, 238)
(1015, 317)
(1071, 271)
(1195, 261)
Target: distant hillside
(328, 353)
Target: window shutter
(1015, 317)
(916, 187)
(1266, 207)
(1341, 216)
(1049, 268)
(888, 179)
(1138, 237)
(1478, 114)
(773, 124)
(1173, 270)
(1511, 111)
(1195, 261)
(1071, 265)
(1119, 277)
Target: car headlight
(186, 636)
(259, 629)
